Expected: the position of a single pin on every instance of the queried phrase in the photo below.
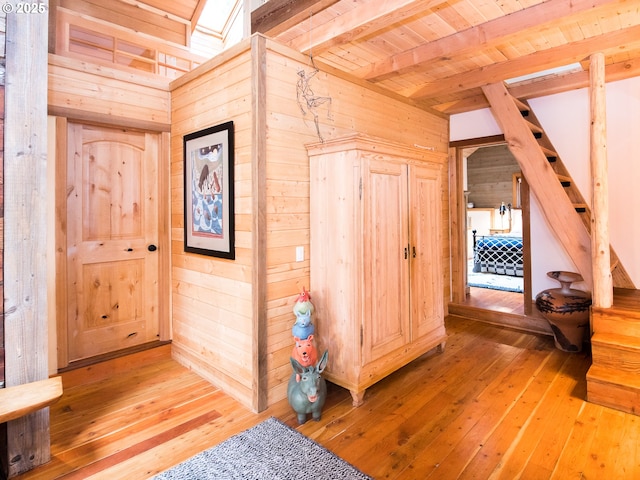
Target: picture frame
(208, 191)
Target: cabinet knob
(152, 248)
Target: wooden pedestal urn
(566, 310)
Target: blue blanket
(500, 255)
(499, 243)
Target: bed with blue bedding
(498, 254)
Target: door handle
(152, 248)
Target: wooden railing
(100, 42)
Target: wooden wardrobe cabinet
(376, 257)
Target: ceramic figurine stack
(303, 309)
(307, 390)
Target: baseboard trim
(85, 362)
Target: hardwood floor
(498, 300)
(496, 404)
(500, 308)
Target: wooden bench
(22, 399)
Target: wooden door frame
(458, 222)
(60, 236)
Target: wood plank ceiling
(440, 53)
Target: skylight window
(219, 26)
(216, 14)
(544, 73)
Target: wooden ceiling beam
(573, 81)
(359, 22)
(485, 34)
(544, 87)
(624, 39)
(277, 16)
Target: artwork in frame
(208, 192)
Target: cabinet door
(385, 239)
(426, 284)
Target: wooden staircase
(550, 181)
(620, 276)
(522, 137)
(614, 377)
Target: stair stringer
(555, 205)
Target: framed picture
(208, 192)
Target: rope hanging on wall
(307, 99)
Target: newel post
(600, 250)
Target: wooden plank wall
(135, 17)
(104, 95)
(490, 176)
(212, 308)
(214, 324)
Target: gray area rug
(270, 450)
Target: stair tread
(523, 107)
(548, 152)
(533, 127)
(630, 312)
(614, 262)
(617, 377)
(615, 339)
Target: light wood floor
(498, 403)
(501, 308)
(496, 300)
